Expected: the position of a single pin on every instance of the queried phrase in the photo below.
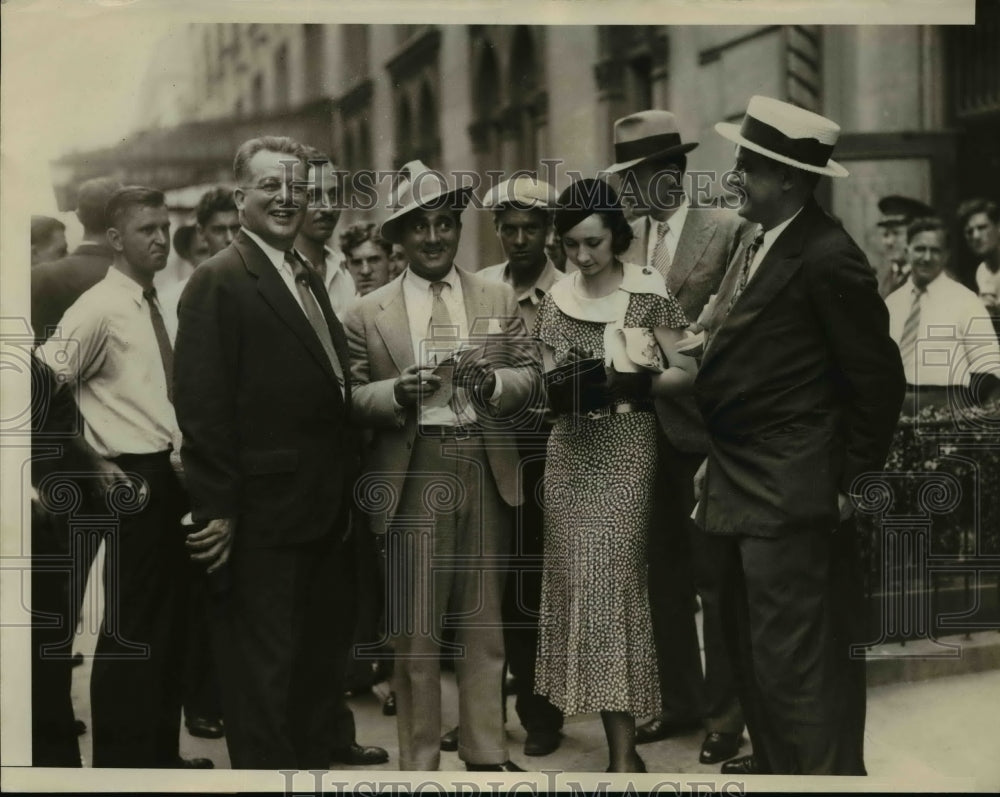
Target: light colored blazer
(378, 333)
(708, 241)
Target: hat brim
(680, 149)
(732, 132)
(390, 227)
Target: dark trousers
(201, 679)
(679, 566)
(135, 687)
(53, 737)
(281, 620)
(522, 598)
(792, 606)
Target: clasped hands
(416, 383)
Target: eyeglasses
(272, 188)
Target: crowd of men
(272, 416)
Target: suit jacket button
(646, 271)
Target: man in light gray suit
(691, 246)
(440, 473)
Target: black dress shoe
(77, 660)
(719, 747)
(542, 742)
(80, 727)
(449, 740)
(193, 763)
(506, 766)
(640, 765)
(205, 727)
(657, 729)
(389, 706)
(354, 755)
(744, 765)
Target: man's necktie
(315, 315)
(755, 245)
(661, 252)
(442, 330)
(908, 340)
(321, 270)
(162, 340)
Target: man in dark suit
(690, 245)
(800, 387)
(270, 456)
(56, 285)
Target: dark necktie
(756, 244)
(162, 340)
(315, 315)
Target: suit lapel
(274, 291)
(636, 252)
(779, 265)
(336, 330)
(476, 305)
(393, 324)
(694, 238)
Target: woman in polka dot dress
(595, 650)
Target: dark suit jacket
(707, 243)
(55, 286)
(267, 437)
(800, 385)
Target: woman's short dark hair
(587, 197)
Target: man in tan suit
(690, 245)
(440, 473)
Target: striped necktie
(661, 252)
(908, 340)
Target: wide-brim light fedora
(521, 191)
(422, 188)
(644, 135)
(788, 134)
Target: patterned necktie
(908, 340)
(441, 328)
(162, 340)
(315, 315)
(661, 252)
(755, 245)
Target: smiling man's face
(430, 240)
(271, 204)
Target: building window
(315, 63)
(524, 82)
(282, 84)
(414, 73)
(976, 64)
(356, 47)
(257, 94)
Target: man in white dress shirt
(115, 344)
(322, 215)
(980, 222)
(943, 330)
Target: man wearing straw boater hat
(440, 473)
(800, 387)
(690, 246)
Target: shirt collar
(770, 236)
(542, 285)
(126, 284)
(451, 278)
(675, 222)
(276, 256)
(931, 287)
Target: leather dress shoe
(354, 755)
(657, 729)
(79, 727)
(542, 742)
(194, 763)
(719, 746)
(506, 766)
(77, 660)
(744, 765)
(389, 706)
(449, 740)
(205, 727)
(640, 765)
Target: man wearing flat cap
(897, 213)
(522, 217)
(800, 386)
(440, 474)
(690, 247)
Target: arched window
(524, 81)
(427, 132)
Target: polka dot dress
(595, 650)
